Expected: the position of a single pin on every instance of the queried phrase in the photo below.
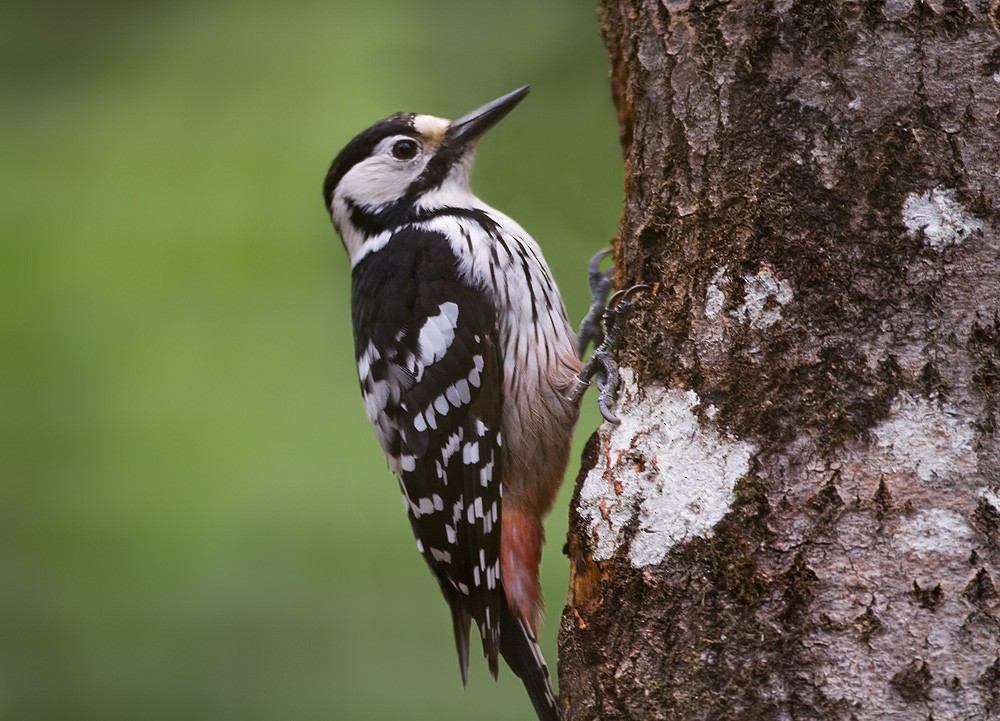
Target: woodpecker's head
(405, 165)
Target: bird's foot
(601, 282)
(602, 365)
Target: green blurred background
(195, 519)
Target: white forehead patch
(430, 127)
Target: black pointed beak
(465, 131)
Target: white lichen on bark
(764, 295)
(935, 531)
(937, 218)
(715, 295)
(928, 438)
(662, 476)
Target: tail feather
(460, 621)
(521, 651)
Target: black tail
(520, 649)
(460, 619)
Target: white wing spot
(451, 446)
(369, 356)
(375, 399)
(474, 373)
(437, 334)
(393, 463)
(441, 556)
(412, 366)
(470, 453)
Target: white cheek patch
(381, 179)
(377, 181)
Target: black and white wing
(430, 371)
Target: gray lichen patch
(937, 218)
(763, 298)
(662, 477)
(715, 295)
(935, 532)
(927, 439)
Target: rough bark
(799, 517)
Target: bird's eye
(404, 149)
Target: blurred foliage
(195, 519)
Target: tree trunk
(799, 515)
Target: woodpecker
(469, 371)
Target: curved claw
(608, 381)
(625, 295)
(610, 417)
(621, 300)
(633, 290)
(603, 368)
(594, 266)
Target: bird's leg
(602, 364)
(600, 287)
